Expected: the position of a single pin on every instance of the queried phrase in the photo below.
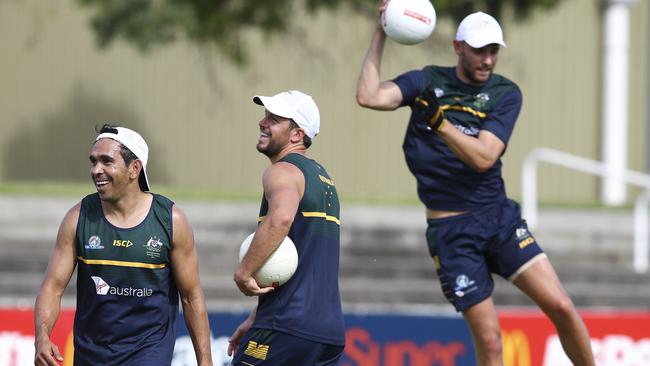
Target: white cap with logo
(134, 142)
(295, 105)
(479, 30)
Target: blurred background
(183, 73)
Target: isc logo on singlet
(122, 243)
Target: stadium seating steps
(385, 263)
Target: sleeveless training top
(444, 181)
(309, 304)
(127, 301)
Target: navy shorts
(469, 247)
(269, 347)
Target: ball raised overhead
(409, 21)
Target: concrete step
(384, 256)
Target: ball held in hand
(279, 267)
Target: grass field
(75, 189)
(78, 189)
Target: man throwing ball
(462, 118)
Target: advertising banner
(618, 338)
(17, 336)
(371, 340)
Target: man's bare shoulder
(73, 214)
(282, 172)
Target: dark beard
(270, 150)
(470, 76)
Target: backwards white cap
(134, 142)
(479, 30)
(295, 105)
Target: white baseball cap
(295, 105)
(134, 142)
(479, 30)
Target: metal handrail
(529, 194)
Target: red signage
(362, 350)
(17, 336)
(618, 338)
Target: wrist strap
(438, 120)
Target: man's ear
(458, 47)
(134, 169)
(296, 135)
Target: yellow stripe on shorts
(258, 351)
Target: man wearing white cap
(134, 252)
(462, 118)
(300, 322)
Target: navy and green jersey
(444, 181)
(309, 304)
(127, 301)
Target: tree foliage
(151, 23)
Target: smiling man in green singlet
(134, 252)
(300, 322)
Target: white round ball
(279, 267)
(409, 21)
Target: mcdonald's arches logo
(516, 349)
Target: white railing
(529, 194)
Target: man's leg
(483, 323)
(542, 285)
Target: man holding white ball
(462, 118)
(299, 322)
